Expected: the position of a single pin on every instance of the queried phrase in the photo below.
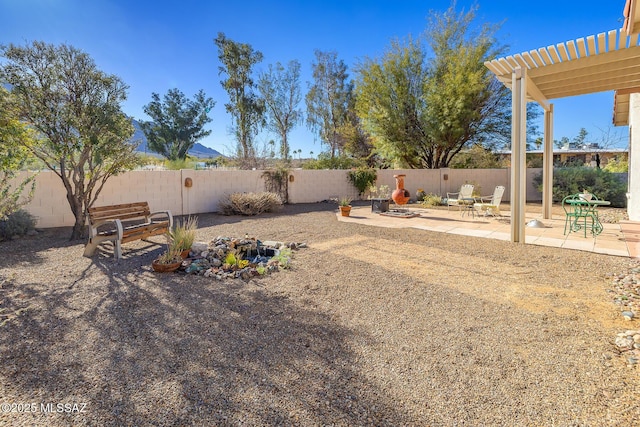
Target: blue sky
(158, 45)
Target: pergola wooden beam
(604, 62)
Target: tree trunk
(77, 208)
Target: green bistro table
(579, 211)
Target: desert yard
(369, 326)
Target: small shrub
(183, 234)
(431, 200)
(617, 165)
(344, 201)
(362, 178)
(283, 259)
(250, 203)
(17, 223)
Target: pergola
(604, 62)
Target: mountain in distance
(198, 150)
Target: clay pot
(165, 268)
(400, 195)
(345, 210)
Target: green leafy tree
(280, 89)
(581, 138)
(423, 111)
(354, 139)
(14, 137)
(178, 123)
(245, 107)
(328, 99)
(563, 142)
(75, 109)
(477, 157)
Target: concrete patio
(622, 239)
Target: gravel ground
(370, 326)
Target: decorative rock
(272, 243)
(198, 247)
(624, 342)
(628, 315)
(636, 338)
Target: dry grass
(250, 203)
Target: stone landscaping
(238, 258)
(626, 294)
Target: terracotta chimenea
(400, 195)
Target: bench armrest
(93, 226)
(166, 213)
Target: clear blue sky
(158, 45)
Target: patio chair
(490, 205)
(462, 198)
(578, 210)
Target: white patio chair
(490, 205)
(462, 198)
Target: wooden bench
(124, 223)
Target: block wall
(167, 190)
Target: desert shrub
(431, 200)
(17, 223)
(362, 178)
(250, 203)
(572, 180)
(618, 165)
(183, 234)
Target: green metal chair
(578, 212)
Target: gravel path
(370, 326)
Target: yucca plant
(183, 234)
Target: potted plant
(345, 205)
(183, 235)
(169, 261)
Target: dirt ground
(369, 326)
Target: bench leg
(117, 249)
(90, 248)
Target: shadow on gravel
(170, 349)
(28, 249)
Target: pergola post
(518, 153)
(547, 164)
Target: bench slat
(127, 211)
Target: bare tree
(280, 89)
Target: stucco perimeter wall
(167, 190)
